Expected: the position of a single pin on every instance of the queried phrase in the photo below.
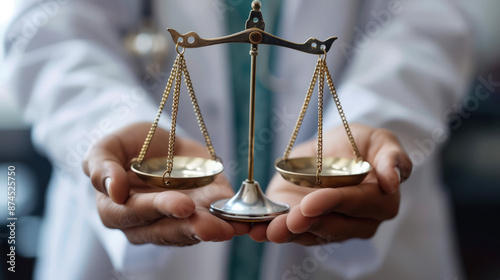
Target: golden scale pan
(249, 204)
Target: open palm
(336, 214)
(147, 214)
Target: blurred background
(32, 175)
(469, 164)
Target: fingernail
(398, 171)
(107, 183)
(196, 237)
(175, 216)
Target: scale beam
(252, 35)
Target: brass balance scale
(249, 204)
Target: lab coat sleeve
(70, 74)
(409, 76)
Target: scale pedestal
(248, 205)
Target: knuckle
(129, 219)
(160, 240)
(178, 240)
(108, 223)
(159, 234)
(381, 133)
(106, 215)
(117, 218)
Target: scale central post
(251, 123)
(250, 204)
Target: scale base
(248, 205)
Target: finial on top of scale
(256, 5)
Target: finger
(391, 167)
(329, 236)
(208, 227)
(297, 222)
(174, 203)
(258, 232)
(104, 165)
(278, 232)
(115, 178)
(391, 163)
(240, 228)
(337, 227)
(365, 201)
(166, 231)
(144, 208)
(333, 227)
(201, 226)
(307, 239)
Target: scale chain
(164, 98)
(321, 72)
(302, 111)
(341, 113)
(175, 108)
(197, 110)
(321, 87)
(178, 69)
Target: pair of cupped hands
(179, 218)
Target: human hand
(328, 215)
(147, 214)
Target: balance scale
(249, 204)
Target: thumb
(392, 166)
(103, 164)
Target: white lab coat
(411, 62)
